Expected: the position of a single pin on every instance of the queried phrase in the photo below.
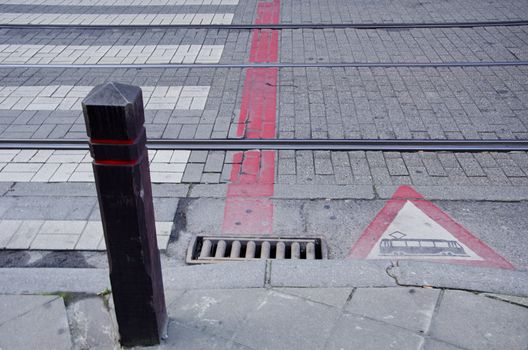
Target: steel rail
(290, 144)
(280, 26)
(273, 65)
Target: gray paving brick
(198, 157)
(214, 162)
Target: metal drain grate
(206, 249)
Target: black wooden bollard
(114, 122)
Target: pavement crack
(390, 273)
(504, 300)
(10, 189)
(513, 54)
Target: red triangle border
(372, 234)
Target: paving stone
(91, 324)
(215, 162)
(122, 19)
(25, 234)
(181, 336)
(475, 322)
(193, 172)
(47, 318)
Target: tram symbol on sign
(399, 245)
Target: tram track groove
(404, 145)
(273, 65)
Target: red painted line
(372, 234)
(259, 104)
(248, 208)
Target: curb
(261, 274)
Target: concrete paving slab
(410, 308)
(305, 319)
(509, 298)
(474, 322)
(13, 306)
(47, 324)
(224, 275)
(182, 336)
(415, 273)
(291, 191)
(91, 324)
(336, 297)
(466, 193)
(218, 312)
(51, 280)
(432, 344)
(330, 274)
(356, 332)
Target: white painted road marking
(114, 19)
(410, 227)
(120, 2)
(109, 54)
(413, 235)
(17, 165)
(69, 97)
(63, 234)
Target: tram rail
(404, 145)
(280, 26)
(277, 65)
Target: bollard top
(114, 111)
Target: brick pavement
(321, 168)
(33, 165)
(367, 103)
(121, 2)
(114, 19)
(365, 11)
(419, 103)
(404, 45)
(63, 235)
(115, 54)
(235, 44)
(403, 103)
(192, 117)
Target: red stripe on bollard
(112, 142)
(116, 162)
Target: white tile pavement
(114, 19)
(17, 165)
(109, 54)
(63, 234)
(69, 97)
(120, 2)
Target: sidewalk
(279, 305)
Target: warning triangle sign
(410, 227)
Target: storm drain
(205, 249)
